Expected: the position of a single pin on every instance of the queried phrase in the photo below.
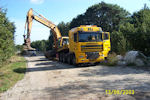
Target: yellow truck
(85, 44)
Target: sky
(55, 11)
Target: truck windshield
(90, 36)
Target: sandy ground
(52, 80)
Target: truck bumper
(85, 60)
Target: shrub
(111, 59)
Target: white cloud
(37, 1)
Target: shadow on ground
(81, 89)
(46, 65)
(39, 60)
(43, 65)
(117, 70)
(20, 70)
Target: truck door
(106, 41)
(75, 41)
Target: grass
(8, 75)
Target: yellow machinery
(86, 44)
(59, 41)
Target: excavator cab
(63, 43)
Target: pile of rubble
(133, 58)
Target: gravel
(52, 80)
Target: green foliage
(121, 39)
(7, 30)
(107, 16)
(41, 45)
(118, 42)
(64, 28)
(19, 47)
(137, 31)
(141, 21)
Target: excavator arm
(29, 20)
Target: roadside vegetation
(10, 73)
(7, 30)
(9, 62)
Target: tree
(137, 31)
(141, 21)
(107, 16)
(7, 30)
(50, 41)
(39, 45)
(120, 39)
(19, 47)
(64, 28)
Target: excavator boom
(29, 20)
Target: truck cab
(86, 44)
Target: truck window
(90, 36)
(106, 37)
(75, 37)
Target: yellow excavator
(60, 42)
(85, 44)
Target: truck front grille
(92, 55)
(91, 48)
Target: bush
(111, 59)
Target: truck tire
(73, 60)
(68, 59)
(63, 58)
(59, 57)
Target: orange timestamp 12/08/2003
(120, 92)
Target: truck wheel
(68, 59)
(63, 57)
(60, 57)
(73, 60)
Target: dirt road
(52, 80)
